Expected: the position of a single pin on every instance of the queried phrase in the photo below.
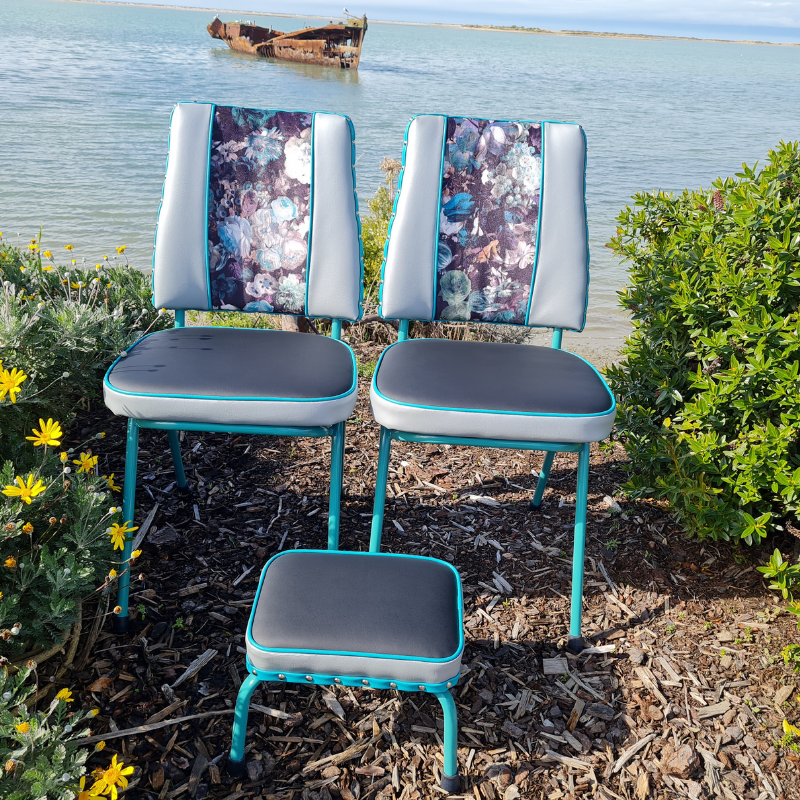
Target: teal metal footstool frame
(259, 214)
(428, 585)
(489, 225)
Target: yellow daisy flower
(85, 462)
(27, 528)
(68, 247)
(10, 381)
(65, 695)
(110, 481)
(793, 730)
(23, 727)
(118, 534)
(50, 433)
(11, 562)
(25, 491)
(112, 777)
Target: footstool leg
(236, 757)
(450, 772)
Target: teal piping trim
(310, 216)
(208, 180)
(212, 427)
(538, 230)
(350, 680)
(107, 383)
(612, 409)
(460, 613)
(438, 220)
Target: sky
(738, 19)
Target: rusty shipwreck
(333, 45)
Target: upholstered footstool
(375, 620)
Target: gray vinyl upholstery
(369, 615)
(240, 376)
(409, 270)
(490, 391)
(561, 284)
(180, 268)
(334, 270)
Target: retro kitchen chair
(489, 225)
(258, 214)
(375, 620)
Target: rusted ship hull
(334, 45)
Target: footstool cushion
(367, 615)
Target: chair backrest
(489, 224)
(259, 213)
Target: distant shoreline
(495, 28)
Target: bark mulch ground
(683, 696)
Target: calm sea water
(86, 91)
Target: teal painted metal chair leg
(541, 483)
(236, 765)
(337, 476)
(121, 620)
(177, 461)
(384, 454)
(575, 642)
(450, 772)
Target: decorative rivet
(449, 684)
(422, 688)
(337, 680)
(281, 676)
(365, 682)
(255, 672)
(309, 679)
(392, 685)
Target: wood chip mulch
(683, 694)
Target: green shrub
(374, 230)
(61, 325)
(709, 387)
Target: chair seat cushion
(368, 615)
(234, 376)
(490, 391)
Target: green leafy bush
(709, 387)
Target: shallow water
(86, 92)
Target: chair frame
(121, 620)
(575, 642)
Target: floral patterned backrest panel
(488, 220)
(259, 210)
